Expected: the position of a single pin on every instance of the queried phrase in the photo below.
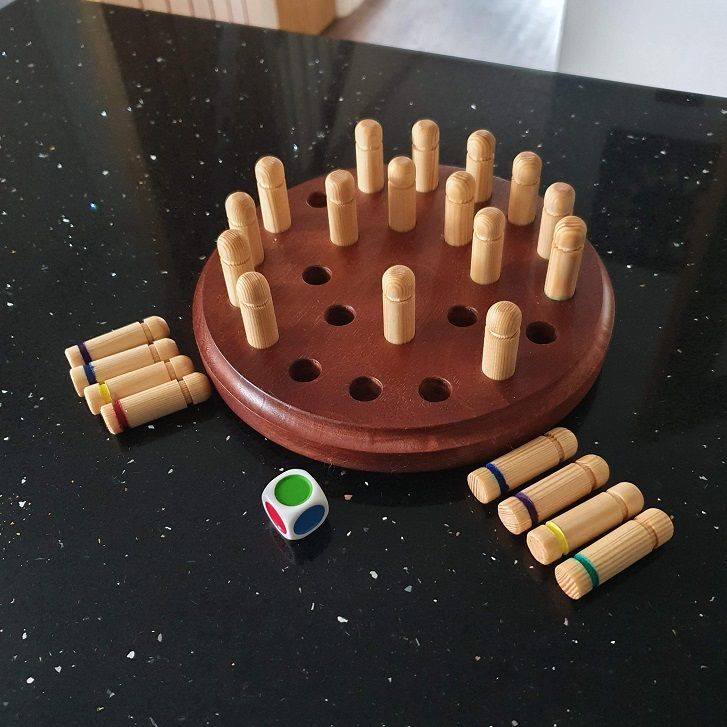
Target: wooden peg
(425, 154)
(480, 161)
(258, 314)
(522, 464)
(235, 259)
(523, 202)
(341, 203)
(459, 209)
(585, 522)
(121, 363)
(502, 336)
(569, 239)
(402, 194)
(553, 493)
(273, 193)
(614, 552)
(487, 243)
(133, 382)
(369, 156)
(120, 339)
(398, 293)
(242, 217)
(151, 404)
(557, 203)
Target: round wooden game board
(333, 389)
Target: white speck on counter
(342, 620)
(159, 638)
(131, 655)
(29, 680)
(408, 589)
(57, 668)
(373, 574)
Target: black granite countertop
(141, 581)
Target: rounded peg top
(166, 348)
(157, 327)
(402, 172)
(425, 134)
(340, 186)
(269, 172)
(198, 386)
(398, 283)
(489, 224)
(629, 497)
(253, 290)
(503, 319)
(481, 145)
(460, 187)
(597, 467)
(526, 168)
(658, 523)
(368, 134)
(240, 209)
(233, 248)
(181, 365)
(569, 234)
(564, 440)
(559, 199)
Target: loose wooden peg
(480, 162)
(402, 194)
(270, 176)
(151, 404)
(369, 156)
(459, 209)
(133, 382)
(425, 154)
(97, 372)
(235, 260)
(522, 464)
(502, 337)
(614, 552)
(585, 522)
(523, 202)
(258, 314)
(553, 493)
(558, 203)
(397, 285)
(242, 217)
(487, 242)
(341, 203)
(121, 339)
(566, 253)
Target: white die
(295, 504)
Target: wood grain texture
(524, 185)
(502, 340)
(400, 430)
(258, 313)
(480, 162)
(402, 194)
(459, 208)
(558, 203)
(398, 290)
(368, 137)
(425, 154)
(242, 217)
(488, 238)
(273, 194)
(566, 253)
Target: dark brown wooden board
(400, 431)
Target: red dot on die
(277, 520)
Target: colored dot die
(295, 503)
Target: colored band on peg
(529, 506)
(84, 353)
(589, 567)
(90, 374)
(501, 481)
(120, 414)
(559, 536)
(105, 393)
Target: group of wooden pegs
(561, 237)
(133, 375)
(633, 533)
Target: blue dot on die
(309, 520)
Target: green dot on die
(292, 490)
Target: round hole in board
(462, 316)
(339, 315)
(435, 389)
(540, 332)
(365, 388)
(305, 369)
(316, 275)
(316, 199)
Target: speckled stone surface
(141, 581)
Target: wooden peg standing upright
(523, 203)
(273, 193)
(399, 300)
(480, 162)
(566, 254)
(558, 203)
(425, 154)
(368, 136)
(553, 493)
(242, 217)
(151, 404)
(584, 522)
(121, 339)
(459, 209)
(402, 194)
(258, 314)
(614, 552)
(341, 203)
(487, 243)
(502, 337)
(522, 464)
(235, 260)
